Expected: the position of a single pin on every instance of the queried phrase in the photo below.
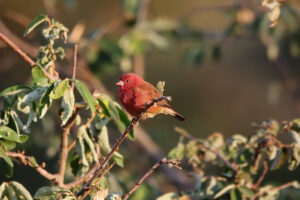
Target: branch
(74, 64)
(17, 49)
(25, 160)
(184, 133)
(64, 147)
(284, 186)
(133, 123)
(96, 183)
(23, 54)
(82, 179)
(261, 178)
(164, 161)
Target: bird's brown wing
(148, 92)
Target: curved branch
(25, 160)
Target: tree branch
(64, 147)
(164, 161)
(261, 178)
(284, 186)
(133, 123)
(74, 64)
(17, 49)
(26, 160)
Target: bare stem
(284, 186)
(163, 161)
(25, 160)
(74, 64)
(261, 178)
(133, 123)
(17, 49)
(64, 147)
(23, 54)
(96, 182)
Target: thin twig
(26, 160)
(74, 64)
(17, 49)
(23, 54)
(187, 135)
(284, 186)
(262, 176)
(64, 146)
(133, 123)
(82, 179)
(164, 161)
(97, 181)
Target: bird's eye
(127, 80)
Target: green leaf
(235, 194)
(20, 191)
(33, 161)
(67, 105)
(168, 196)
(124, 119)
(7, 145)
(246, 191)
(45, 193)
(38, 76)
(160, 87)
(85, 93)
(81, 150)
(34, 23)
(45, 101)
(83, 132)
(2, 189)
(119, 159)
(59, 89)
(5, 157)
(8, 134)
(103, 141)
(177, 152)
(5, 168)
(224, 190)
(15, 90)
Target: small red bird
(135, 93)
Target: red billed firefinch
(135, 93)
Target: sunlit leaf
(86, 95)
(20, 191)
(34, 23)
(15, 90)
(67, 105)
(59, 89)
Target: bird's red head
(129, 80)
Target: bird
(135, 93)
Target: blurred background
(223, 65)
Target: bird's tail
(175, 114)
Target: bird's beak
(120, 83)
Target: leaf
(33, 161)
(67, 105)
(44, 193)
(7, 145)
(38, 76)
(81, 150)
(224, 190)
(45, 101)
(85, 93)
(168, 196)
(177, 152)
(103, 141)
(160, 87)
(34, 23)
(246, 191)
(2, 188)
(5, 157)
(124, 119)
(82, 131)
(20, 191)
(8, 134)
(235, 194)
(59, 89)
(15, 90)
(5, 168)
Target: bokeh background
(222, 64)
